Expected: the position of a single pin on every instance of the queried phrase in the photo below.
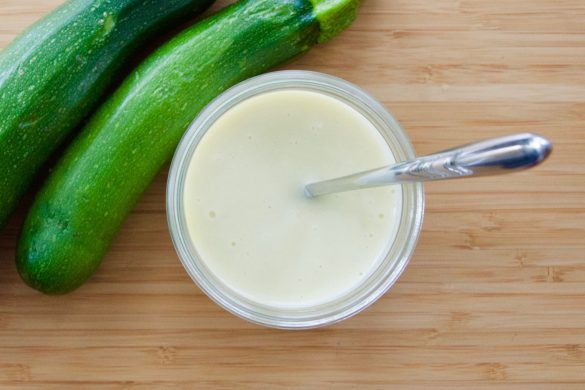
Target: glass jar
(389, 268)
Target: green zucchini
(103, 173)
(52, 76)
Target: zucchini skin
(53, 75)
(104, 172)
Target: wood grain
(494, 296)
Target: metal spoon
(490, 157)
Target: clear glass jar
(390, 267)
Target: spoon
(485, 158)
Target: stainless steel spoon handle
(490, 157)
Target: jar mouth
(388, 270)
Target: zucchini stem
(334, 16)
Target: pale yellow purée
(248, 218)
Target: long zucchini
(53, 75)
(102, 175)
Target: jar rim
(395, 261)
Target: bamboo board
(493, 298)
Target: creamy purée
(246, 213)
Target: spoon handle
(490, 157)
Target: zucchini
(52, 76)
(103, 173)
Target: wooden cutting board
(493, 298)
